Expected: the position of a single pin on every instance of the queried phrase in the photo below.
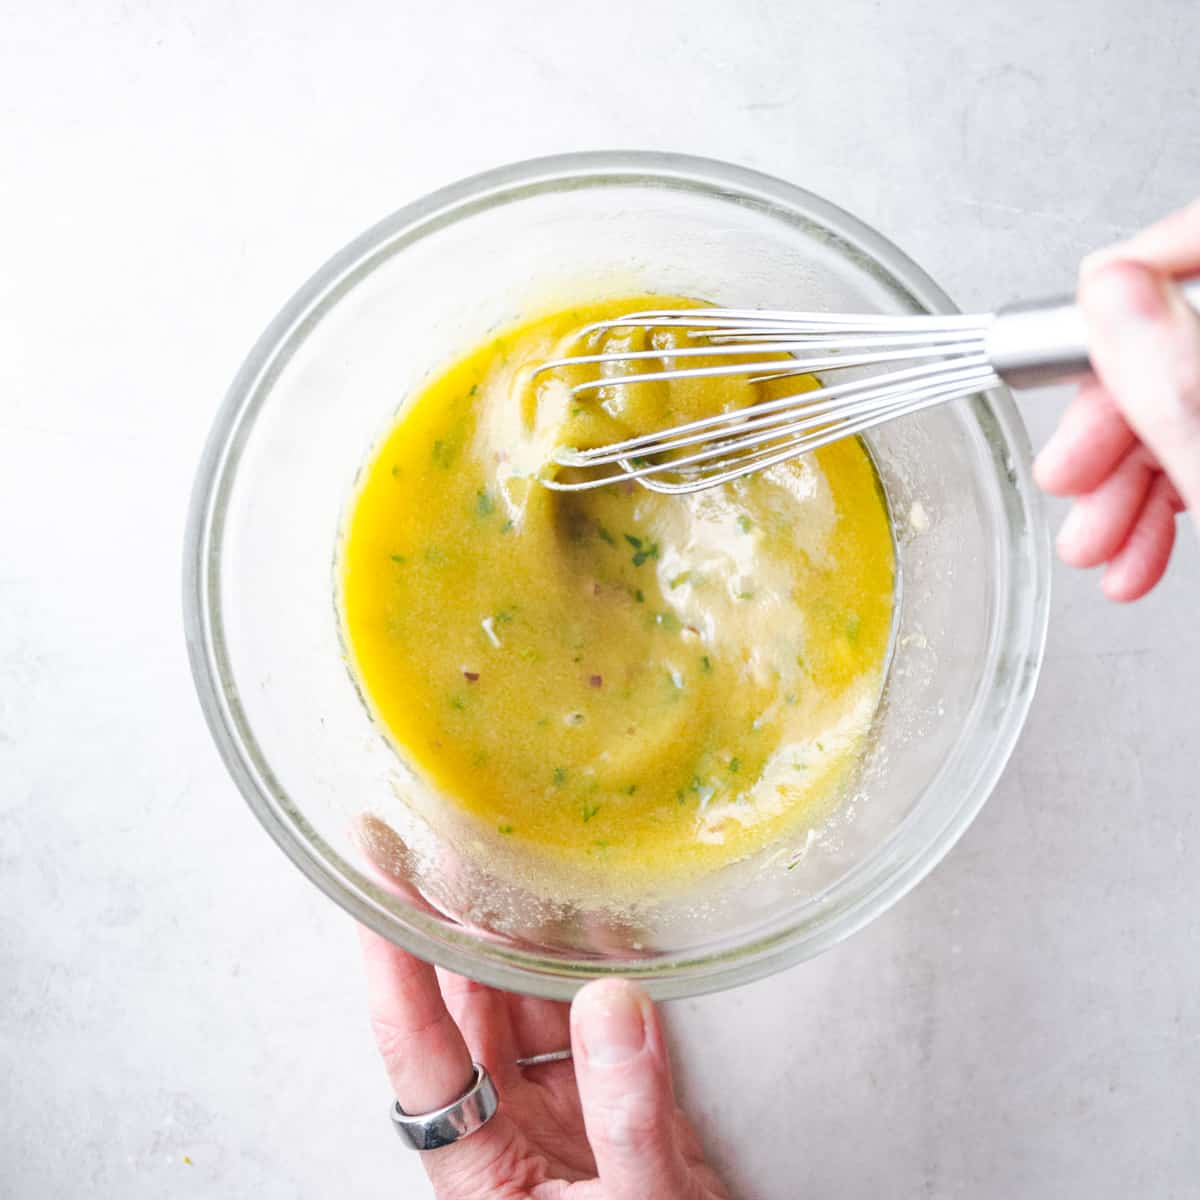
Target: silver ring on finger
(455, 1121)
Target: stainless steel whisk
(911, 363)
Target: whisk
(898, 366)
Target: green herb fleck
(735, 765)
(639, 596)
(631, 789)
(790, 698)
(399, 558)
(543, 722)
(589, 811)
(506, 527)
(443, 454)
(605, 536)
(457, 702)
(642, 550)
(667, 620)
(504, 828)
(560, 776)
(680, 796)
(395, 470)
(706, 664)
(600, 844)
(680, 579)
(506, 615)
(853, 627)
(577, 410)
(745, 595)
(744, 523)
(638, 461)
(484, 504)
(474, 389)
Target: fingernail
(1045, 463)
(611, 1021)
(1091, 263)
(1049, 460)
(1124, 291)
(1069, 531)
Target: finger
(539, 1025)
(426, 1058)
(1145, 346)
(688, 1140)
(1142, 560)
(481, 1013)
(624, 1086)
(1171, 245)
(1091, 439)
(1099, 523)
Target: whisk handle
(1045, 341)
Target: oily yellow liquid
(645, 685)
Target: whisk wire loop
(900, 365)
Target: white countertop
(1027, 1023)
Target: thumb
(1145, 345)
(625, 1086)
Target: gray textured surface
(1026, 1024)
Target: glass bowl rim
(514, 970)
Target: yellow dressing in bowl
(622, 682)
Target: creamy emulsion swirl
(647, 685)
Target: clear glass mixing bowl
(326, 380)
